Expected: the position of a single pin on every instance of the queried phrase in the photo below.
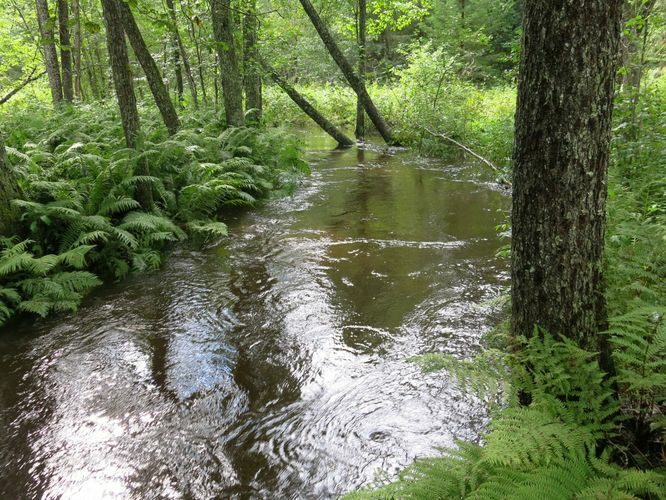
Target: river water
(274, 365)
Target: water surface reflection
(273, 365)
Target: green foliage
(427, 94)
(556, 447)
(41, 285)
(581, 430)
(80, 210)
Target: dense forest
(133, 132)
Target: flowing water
(276, 364)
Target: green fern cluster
(80, 192)
(560, 446)
(42, 285)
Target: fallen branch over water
(469, 151)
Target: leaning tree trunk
(354, 80)
(563, 123)
(342, 140)
(122, 81)
(46, 24)
(152, 72)
(232, 89)
(183, 54)
(362, 34)
(252, 79)
(9, 190)
(65, 51)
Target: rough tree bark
(153, 76)
(182, 55)
(563, 123)
(65, 51)
(362, 34)
(232, 89)
(122, 82)
(352, 78)
(342, 140)
(46, 24)
(252, 80)
(9, 190)
(76, 12)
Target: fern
(79, 184)
(205, 232)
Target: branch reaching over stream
(476, 155)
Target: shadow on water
(274, 365)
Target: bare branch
(23, 84)
(467, 150)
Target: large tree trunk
(122, 81)
(354, 80)
(308, 109)
(46, 24)
(232, 89)
(252, 77)
(76, 12)
(563, 123)
(362, 32)
(65, 51)
(9, 190)
(155, 81)
(183, 54)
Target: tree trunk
(362, 32)
(252, 80)
(200, 64)
(152, 72)
(9, 190)
(46, 24)
(563, 123)
(99, 67)
(76, 12)
(354, 80)
(65, 51)
(342, 140)
(232, 89)
(183, 54)
(197, 49)
(180, 87)
(92, 75)
(216, 86)
(122, 81)
(637, 48)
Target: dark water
(273, 366)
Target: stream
(276, 364)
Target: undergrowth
(424, 94)
(80, 222)
(564, 429)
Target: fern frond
(76, 257)
(114, 205)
